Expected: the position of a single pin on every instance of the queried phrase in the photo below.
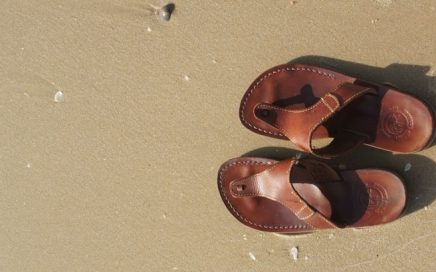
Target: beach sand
(120, 173)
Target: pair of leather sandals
(307, 105)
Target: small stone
(252, 256)
(306, 258)
(164, 15)
(331, 235)
(187, 78)
(244, 237)
(29, 165)
(149, 29)
(425, 208)
(407, 167)
(214, 61)
(293, 252)
(59, 97)
(293, 2)
(165, 12)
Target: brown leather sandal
(294, 196)
(303, 103)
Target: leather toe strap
(274, 184)
(299, 125)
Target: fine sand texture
(114, 125)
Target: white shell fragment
(59, 97)
(294, 253)
(252, 256)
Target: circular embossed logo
(375, 197)
(397, 123)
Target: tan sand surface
(121, 175)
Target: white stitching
(299, 226)
(327, 105)
(300, 210)
(308, 216)
(248, 94)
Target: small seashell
(252, 257)
(165, 12)
(294, 253)
(59, 97)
